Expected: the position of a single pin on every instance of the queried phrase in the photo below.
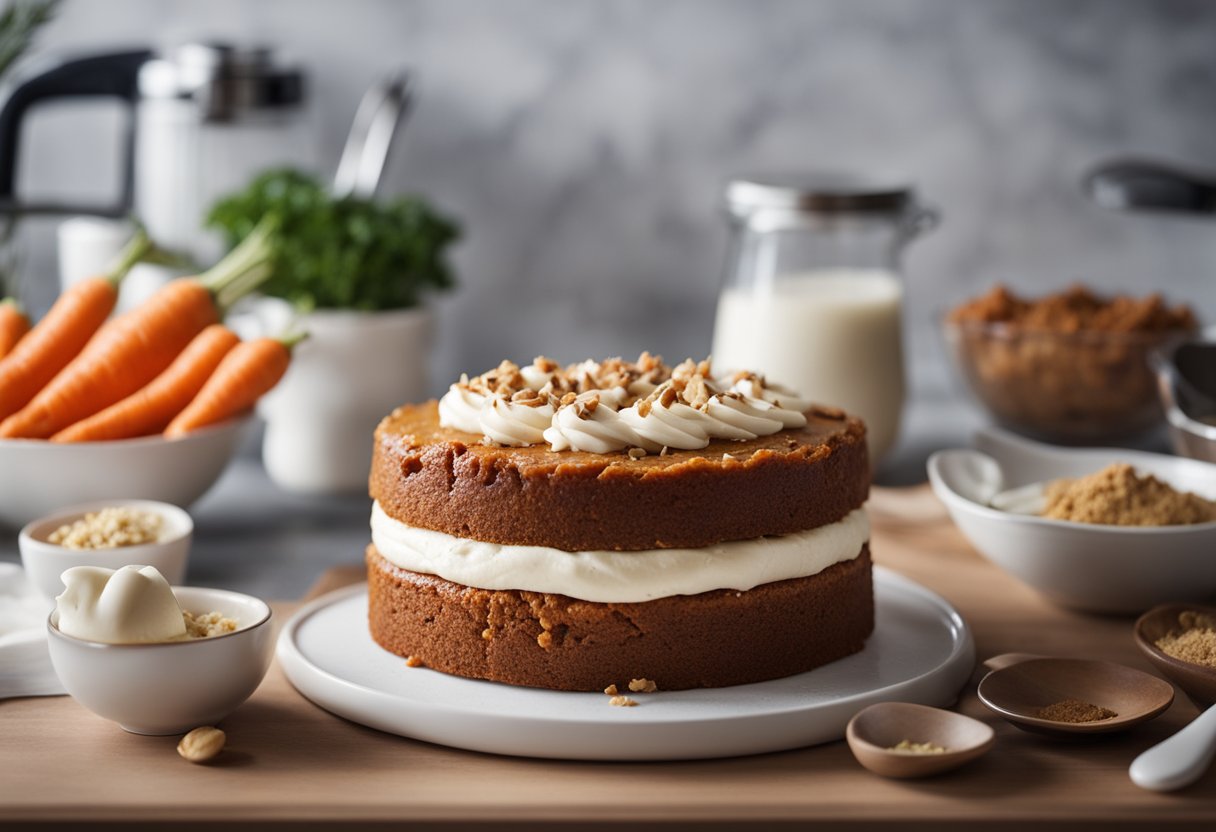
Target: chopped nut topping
(643, 686)
(636, 453)
(413, 661)
(545, 639)
(611, 690)
(109, 528)
(666, 450)
(622, 702)
(487, 634)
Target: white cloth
(25, 664)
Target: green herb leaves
(341, 253)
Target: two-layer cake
(572, 528)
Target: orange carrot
(245, 374)
(63, 332)
(136, 347)
(13, 325)
(150, 409)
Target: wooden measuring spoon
(873, 732)
(1021, 684)
(1183, 758)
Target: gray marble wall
(584, 144)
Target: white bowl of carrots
(148, 404)
(38, 477)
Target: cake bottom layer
(714, 639)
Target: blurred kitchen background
(584, 146)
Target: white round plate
(921, 651)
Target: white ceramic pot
(354, 368)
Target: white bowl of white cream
(118, 645)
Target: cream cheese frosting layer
(619, 577)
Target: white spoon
(1180, 760)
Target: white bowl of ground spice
(1128, 529)
(111, 534)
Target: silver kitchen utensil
(365, 154)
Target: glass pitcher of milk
(812, 296)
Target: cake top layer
(614, 405)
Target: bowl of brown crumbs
(112, 534)
(1071, 367)
(1180, 641)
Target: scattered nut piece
(413, 661)
(666, 450)
(622, 702)
(201, 744)
(637, 453)
(487, 634)
(643, 686)
(611, 690)
(545, 639)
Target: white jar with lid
(812, 295)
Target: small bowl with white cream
(110, 534)
(156, 659)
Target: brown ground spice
(1074, 710)
(1195, 643)
(1118, 496)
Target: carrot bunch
(13, 325)
(167, 365)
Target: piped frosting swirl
(613, 405)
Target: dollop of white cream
(677, 426)
(619, 577)
(512, 424)
(460, 409)
(600, 431)
(131, 605)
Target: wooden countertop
(289, 761)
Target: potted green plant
(355, 274)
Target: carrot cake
(576, 527)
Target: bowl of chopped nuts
(37, 476)
(109, 533)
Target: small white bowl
(44, 562)
(170, 687)
(1096, 568)
(37, 477)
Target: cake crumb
(642, 686)
(545, 639)
(413, 661)
(622, 702)
(487, 634)
(611, 690)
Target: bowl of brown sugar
(1101, 530)
(1180, 641)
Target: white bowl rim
(183, 521)
(135, 442)
(940, 485)
(267, 614)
